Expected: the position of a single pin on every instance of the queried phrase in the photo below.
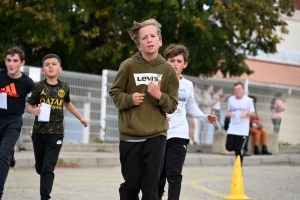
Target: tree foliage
(93, 35)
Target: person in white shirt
(205, 106)
(240, 109)
(178, 133)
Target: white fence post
(103, 104)
(87, 115)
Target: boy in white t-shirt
(240, 109)
(178, 133)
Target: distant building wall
(291, 40)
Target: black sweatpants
(236, 143)
(10, 129)
(175, 155)
(141, 163)
(46, 151)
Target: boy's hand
(245, 113)
(212, 119)
(37, 110)
(168, 117)
(137, 98)
(228, 114)
(154, 89)
(85, 122)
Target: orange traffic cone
(237, 185)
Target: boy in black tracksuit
(47, 137)
(14, 87)
(144, 90)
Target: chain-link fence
(89, 93)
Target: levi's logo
(10, 90)
(145, 78)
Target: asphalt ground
(264, 182)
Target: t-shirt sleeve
(67, 98)
(33, 96)
(30, 86)
(251, 109)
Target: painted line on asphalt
(195, 184)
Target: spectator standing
(219, 98)
(277, 108)
(191, 120)
(205, 106)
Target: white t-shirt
(238, 126)
(178, 124)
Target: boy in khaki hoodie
(144, 90)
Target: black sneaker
(22, 149)
(12, 161)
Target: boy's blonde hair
(176, 49)
(134, 31)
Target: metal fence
(85, 94)
(264, 93)
(89, 93)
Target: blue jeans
(10, 129)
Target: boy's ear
(23, 63)
(185, 65)
(60, 71)
(139, 47)
(43, 70)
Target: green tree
(92, 35)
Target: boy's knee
(229, 147)
(131, 188)
(38, 170)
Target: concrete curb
(109, 159)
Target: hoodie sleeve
(169, 99)
(121, 99)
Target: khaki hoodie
(148, 119)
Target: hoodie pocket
(148, 122)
